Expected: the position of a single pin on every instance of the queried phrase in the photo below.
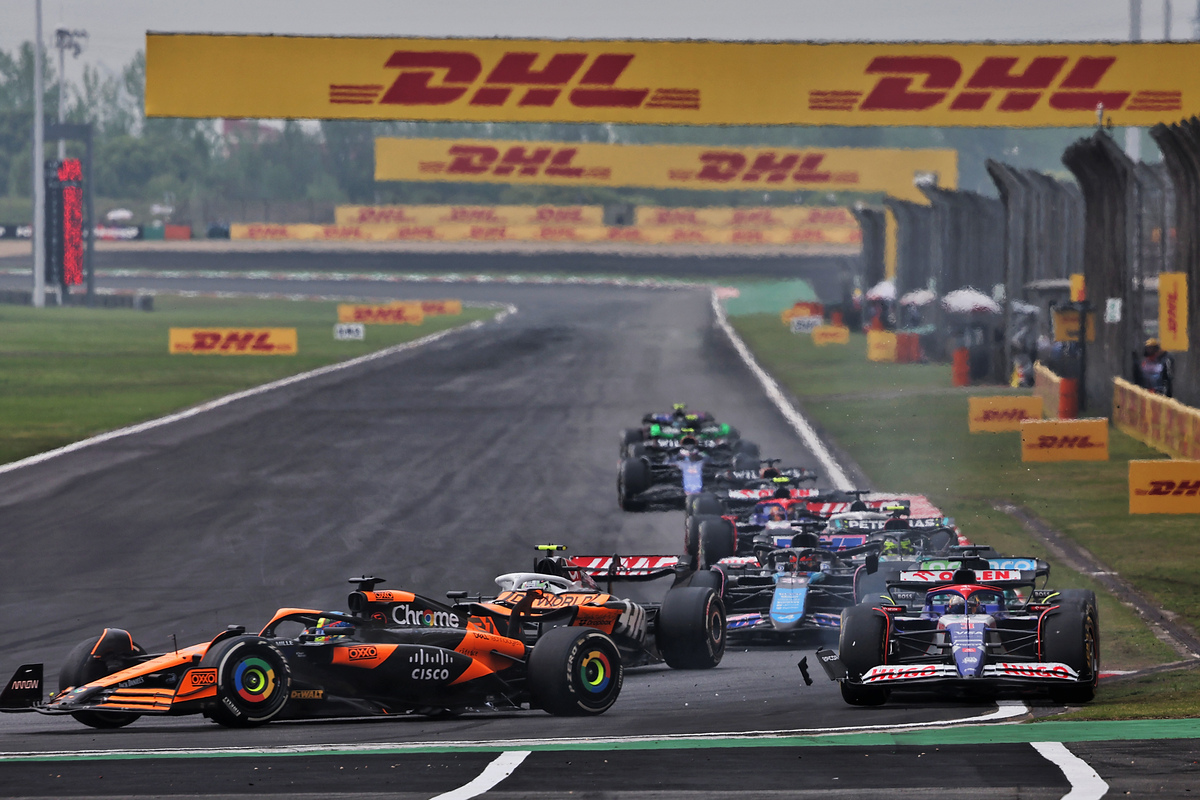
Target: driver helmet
(769, 472)
(776, 513)
(689, 448)
(324, 626)
(974, 605)
(956, 605)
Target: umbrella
(884, 290)
(918, 297)
(969, 301)
(119, 215)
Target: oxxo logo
(1171, 489)
(554, 162)
(918, 83)
(1046, 442)
(441, 77)
(204, 677)
(362, 653)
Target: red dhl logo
(529, 162)
(385, 314)
(234, 341)
(938, 79)
(1170, 489)
(440, 77)
(726, 166)
(376, 215)
(1048, 442)
(1173, 311)
(1003, 415)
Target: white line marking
(492, 774)
(794, 418)
(1086, 784)
(257, 390)
(1008, 709)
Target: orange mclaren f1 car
(393, 653)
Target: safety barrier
(1160, 422)
(545, 233)
(1060, 396)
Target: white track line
(257, 390)
(1007, 710)
(794, 418)
(1086, 783)
(492, 774)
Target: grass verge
(906, 426)
(70, 373)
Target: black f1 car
(971, 630)
(393, 653)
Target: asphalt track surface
(437, 468)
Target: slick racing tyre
(691, 532)
(747, 448)
(691, 628)
(96, 658)
(861, 646)
(574, 672)
(630, 436)
(632, 479)
(743, 461)
(717, 540)
(705, 503)
(709, 579)
(253, 681)
(1071, 636)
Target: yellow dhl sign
(830, 334)
(881, 346)
(1164, 487)
(666, 167)
(1173, 311)
(1064, 440)
(398, 313)
(671, 82)
(233, 341)
(468, 215)
(1001, 413)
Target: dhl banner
(1077, 288)
(1066, 325)
(1164, 487)
(830, 334)
(665, 166)
(881, 346)
(233, 341)
(1001, 413)
(746, 217)
(671, 82)
(474, 215)
(1064, 440)
(547, 233)
(397, 313)
(1173, 311)
(1159, 422)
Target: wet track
(436, 468)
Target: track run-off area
(439, 466)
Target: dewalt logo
(1001, 83)
(442, 77)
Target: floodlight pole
(65, 40)
(1133, 136)
(39, 179)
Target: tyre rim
(717, 628)
(254, 679)
(595, 672)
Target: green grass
(69, 373)
(906, 426)
(1162, 695)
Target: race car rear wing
(618, 567)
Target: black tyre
(636, 450)
(93, 659)
(861, 646)
(747, 448)
(717, 540)
(1071, 636)
(708, 579)
(873, 586)
(743, 461)
(253, 681)
(630, 436)
(691, 628)
(706, 503)
(691, 532)
(575, 672)
(633, 478)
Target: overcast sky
(117, 27)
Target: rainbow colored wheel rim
(254, 680)
(595, 672)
